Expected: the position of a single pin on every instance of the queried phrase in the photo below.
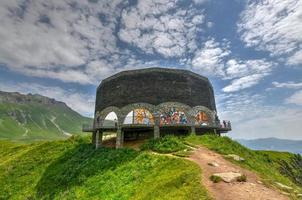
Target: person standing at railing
(224, 123)
(229, 125)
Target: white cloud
(80, 102)
(274, 26)
(200, 2)
(56, 39)
(243, 82)
(247, 73)
(296, 58)
(296, 98)
(213, 59)
(210, 59)
(290, 85)
(161, 27)
(251, 118)
(236, 68)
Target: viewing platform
(90, 128)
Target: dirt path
(252, 189)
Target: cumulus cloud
(57, 39)
(80, 41)
(274, 26)
(243, 82)
(210, 58)
(289, 85)
(296, 98)
(161, 27)
(296, 58)
(215, 58)
(80, 102)
(247, 73)
(251, 118)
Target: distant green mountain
(35, 117)
(275, 144)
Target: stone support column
(156, 131)
(119, 138)
(193, 130)
(98, 139)
(93, 137)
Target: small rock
(299, 195)
(213, 164)
(282, 186)
(228, 177)
(260, 182)
(235, 157)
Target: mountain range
(34, 117)
(274, 144)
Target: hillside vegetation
(73, 169)
(33, 117)
(282, 167)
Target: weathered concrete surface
(155, 86)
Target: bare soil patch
(252, 189)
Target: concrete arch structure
(128, 108)
(157, 90)
(163, 107)
(210, 114)
(103, 114)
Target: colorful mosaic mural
(142, 116)
(173, 116)
(201, 118)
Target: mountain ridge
(30, 117)
(275, 144)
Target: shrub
(292, 168)
(167, 144)
(215, 179)
(242, 178)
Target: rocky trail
(252, 189)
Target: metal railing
(224, 124)
(87, 128)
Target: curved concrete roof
(155, 86)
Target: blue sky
(250, 50)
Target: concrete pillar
(156, 131)
(119, 138)
(193, 130)
(215, 131)
(93, 137)
(98, 139)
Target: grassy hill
(271, 166)
(35, 117)
(73, 169)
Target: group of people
(226, 124)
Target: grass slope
(72, 169)
(265, 163)
(32, 121)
